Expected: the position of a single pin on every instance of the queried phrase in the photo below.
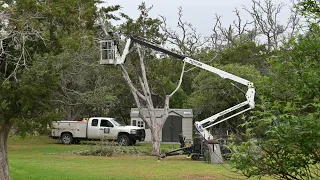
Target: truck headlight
(133, 131)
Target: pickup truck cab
(96, 128)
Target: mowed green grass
(41, 158)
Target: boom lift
(110, 54)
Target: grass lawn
(41, 158)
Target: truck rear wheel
(123, 140)
(66, 138)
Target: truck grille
(141, 132)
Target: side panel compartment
(78, 129)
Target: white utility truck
(96, 128)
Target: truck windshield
(115, 122)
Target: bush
(109, 151)
(289, 150)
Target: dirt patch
(198, 176)
(17, 147)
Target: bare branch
(241, 28)
(66, 103)
(265, 15)
(17, 38)
(189, 41)
(144, 77)
(215, 38)
(294, 20)
(128, 80)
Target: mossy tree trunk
(4, 165)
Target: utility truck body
(96, 128)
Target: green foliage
(309, 8)
(120, 109)
(86, 89)
(289, 150)
(26, 103)
(247, 53)
(50, 63)
(108, 10)
(294, 73)
(143, 26)
(286, 123)
(66, 19)
(164, 77)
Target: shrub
(109, 151)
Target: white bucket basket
(107, 52)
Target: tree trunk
(155, 137)
(4, 166)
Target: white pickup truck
(96, 128)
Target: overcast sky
(199, 13)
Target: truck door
(93, 131)
(107, 130)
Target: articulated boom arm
(203, 125)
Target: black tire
(195, 157)
(133, 142)
(66, 138)
(123, 140)
(76, 141)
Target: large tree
(37, 39)
(83, 84)
(141, 66)
(26, 78)
(142, 92)
(284, 131)
(265, 15)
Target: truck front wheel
(133, 142)
(66, 138)
(123, 140)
